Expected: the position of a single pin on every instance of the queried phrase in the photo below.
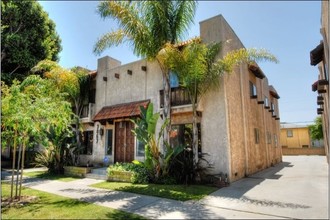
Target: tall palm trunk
(167, 105)
(195, 133)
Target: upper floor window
(266, 102)
(253, 91)
(174, 80)
(289, 133)
(273, 109)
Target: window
(253, 91)
(182, 135)
(275, 140)
(174, 80)
(266, 102)
(256, 135)
(289, 133)
(305, 146)
(87, 142)
(273, 110)
(108, 146)
(139, 148)
(269, 137)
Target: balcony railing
(88, 112)
(179, 96)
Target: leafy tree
(147, 26)
(73, 82)
(316, 130)
(27, 36)
(31, 109)
(199, 71)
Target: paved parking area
(296, 188)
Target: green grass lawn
(50, 206)
(177, 192)
(45, 175)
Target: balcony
(88, 113)
(179, 96)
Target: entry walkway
(296, 188)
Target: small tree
(73, 82)
(316, 129)
(31, 109)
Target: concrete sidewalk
(296, 188)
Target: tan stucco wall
(140, 85)
(241, 114)
(299, 138)
(325, 36)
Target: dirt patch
(15, 202)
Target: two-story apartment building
(238, 123)
(320, 56)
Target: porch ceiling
(124, 110)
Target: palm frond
(108, 40)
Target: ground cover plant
(42, 205)
(176, 192)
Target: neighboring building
(296, 140)
(320, 56)
(238, 123)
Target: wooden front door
(124, 141)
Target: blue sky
(288, 29)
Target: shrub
(140, 173)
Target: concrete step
(100, 171)
(96, 176)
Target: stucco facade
(239, 133)
(320, 57)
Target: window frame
(256, 136)
(87, 142)
(253, 90)
(289, 133)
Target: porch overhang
(124, 110)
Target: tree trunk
(13, 166)
(195, 133)
(22, 167)
(18, 167)
(167, 105)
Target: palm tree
(199, 71)
(147, 26)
